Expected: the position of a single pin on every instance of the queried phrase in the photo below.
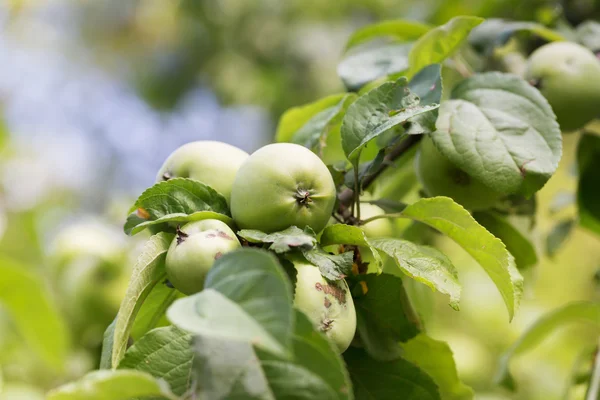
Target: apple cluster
(278, 186)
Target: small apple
(212, 163)
(327, 304)
(568, 75)
(439, 177)
(194, 250)
(378, 228)
(281, 185)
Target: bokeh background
(95, 94)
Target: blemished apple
(282, 185)
(212, 163)
(194, 250)
(327, 304)
(440, 177)
(568, 75)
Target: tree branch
(347, 195)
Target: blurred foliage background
(94, 96)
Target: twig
(346, 197)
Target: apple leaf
(559, 235)
(374, 379)
(281, 242)
(451, 219)
(176, 200)
(113, 385)
(516, 243)
(148, 271)
(424, 264)
(35, 316)
(295, 118)
(247, 296)
(588, 189)
(427, 84)
(376, 112)
(152, 314)
(545, 326)
(370, 61)
(382, 320)
(349, 235)
(496, 32)
(164, 353)
(500, 130)
(397, 30)
(436, 359)
(230, 369)
(332, 266)
(439, 43)
(108, 342)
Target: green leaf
(296, 118)
(152, 314)
(108, 342)
(439, 43)
(176, 200)
(558, 236)
(314, 352)
(496, 32)
(112, 385)
(371, 61)
(427, 84)
(588, 34)
(398, 30)
(500, 130)
(588, 188)
(332, 266)
(148, 271)
(376, 112)
(543, 328)
(436, 359)
(388, 379)
(516, 243)
(281, 242)
(382, 319)
(349, 235)
(424, 264)
(314, 133)
(37, 319)
(228, 370)
(164, 353)
(451, 219)
(247, 297)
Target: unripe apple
(327, 304)
(440, 177)
(382, 227)
(194, 250)
(281, 185)
(568, 75)
(212, 163)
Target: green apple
(568, 75)
(378, 228)
(281, 185)
(194, 250)
(327, 304)
(440, 177)
(212, 163)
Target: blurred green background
(95, 94)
